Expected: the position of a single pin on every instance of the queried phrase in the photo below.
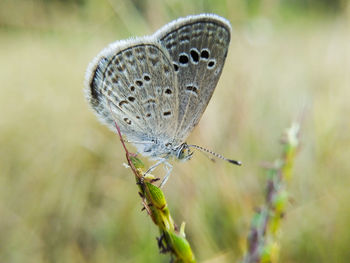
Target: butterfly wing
(133, 83)
(198, 48)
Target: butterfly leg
(137, 142)
(169, 168)
(154, 166)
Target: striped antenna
(219, 156)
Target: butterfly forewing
(133, 84)
(198, 47)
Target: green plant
(172, 239)
(262, 240)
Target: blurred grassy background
(64, 193)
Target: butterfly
(156, 88)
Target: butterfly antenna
(209, 157)
(219, 156)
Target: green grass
(65, 195)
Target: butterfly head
(183, 152)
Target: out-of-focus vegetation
(65, 195)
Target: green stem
(262, 245)
(171, 240)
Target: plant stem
(171, 240)
(262, 245)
